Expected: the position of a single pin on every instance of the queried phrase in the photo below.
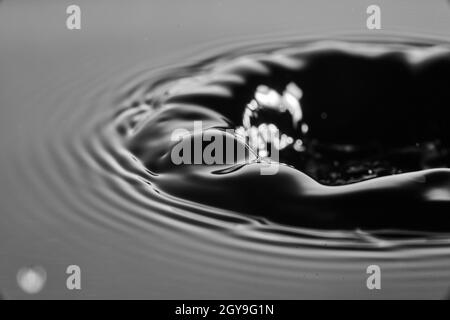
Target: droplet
(267, 97)
(305, 128)
(298, 145)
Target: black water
(374, 154)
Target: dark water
(376, 118)
(86, 120)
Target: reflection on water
(85, 122)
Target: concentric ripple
(363, 177)
(363, 135)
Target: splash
(361, 130)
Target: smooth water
(86, 121)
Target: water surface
(76, 189)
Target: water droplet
(305, 128)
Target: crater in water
(362, 134)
